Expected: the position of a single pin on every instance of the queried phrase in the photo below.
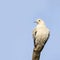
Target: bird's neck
(41, 25)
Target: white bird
(40, 35)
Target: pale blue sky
(16, 25)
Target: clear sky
(16, 25)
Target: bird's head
(39, 21)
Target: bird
(40, 36)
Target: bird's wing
(47, 36)
(34, 35)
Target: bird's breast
(42, 34)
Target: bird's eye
(39, 20)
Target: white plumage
(40, 35)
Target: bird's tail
(36, 55)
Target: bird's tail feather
(36, 55)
